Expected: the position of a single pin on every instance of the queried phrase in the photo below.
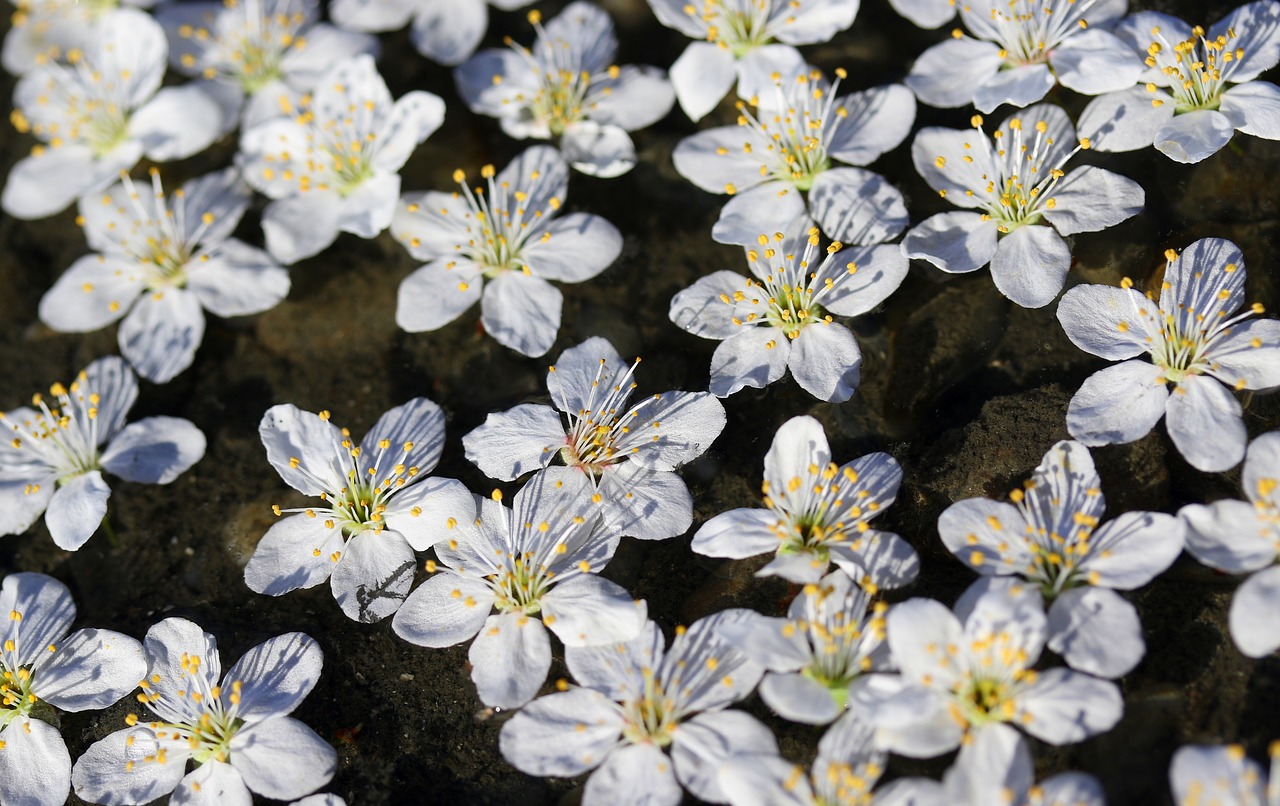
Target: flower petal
(415, 431)
(1215, 773)
(919, 632)
(1194, 136)
(756, 211)
(774, 643)
(374, 575)
(1096, 631)
(954, 242)
(701, 308)
(41, 185)
(522, 312)
(447, 32)
(1125, 121)
(673, 428)
(1133, 549)
(296, 552)
(544, 737)
(300, 446)
(714, 159)
(755, 357)
(986, 535)
(155, 450)
(510, 659)
(1232, 536)
(104, 774)
(1257, 31)
(587, 610)
(1094, 61)
(946, 74)
(1106, 321)
(630, 770)
(1090, 199)
(644, 503)
(1204, 422)
(35, 767)
(161, 334)
(708, 740)
(925, 13)
(877, 121)
(282, 758)
(738, 533)
(599, 150)
(516, 441)
(178, 122)
(437, 293)
(574, 248)
(301, 226)
(765, 780)
(630, 98)
(757, 67)
(445, 610)
(47, 611)
(96, 291)
(855, 206)
(1017, 86)
(431, 511)
(76, 510)
(213, 783)
(1064, 707)
(797, 698)
(1030, 265)
(1252, 617)
(169, 646)
(237, 280)
(1118, 404)
(89, 669)
(1249, 355)
(826, 362)
(872, 273)
(275, 677)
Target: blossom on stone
(1199, 88)
(781, 318)
(44, 666)
(567, 88)
(518, 573)
(1243, 537)
(995, 766)
(334, 166)
(500, 247)
(100, 112)
(445, 31)
(234, 727)
(1049, 535)
(780, 162)
(1213, 775)
(744, 41)
(1019, 201)
(41, 30)
(378, 506)
(159, 263)
(1020, 49)
(964, 672)
(636, 703)
(848, 765)
(817, 513)
(257, 57)
(54, 453)
(833, 633)
(628, 453)
(1200, 345)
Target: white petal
(101, 775)
(909, 719)
(1125, 121)
(758, 66)
(275, 676)
(986, 535)
(1257, 29)
(1118, 404)
(738, 533)
(1252, 618)
(160, 335)
(76, 510)
(764, 780)
(714, 159)
(514, 442)
(237, 280)
(372, 15)
(798, 698)
(282, 758)
(1231, 536)
(1250, 354)
(47, 612)
(177, 122)
(955, 162)
(96, 291)
(301, 226)
(645, 504)
(437, 293)
(1090, 199)
(23, 501)
(35, 767)
(522, 312)
(705, 742)
(574, 248)
(296, 552)
(155, 450)
(919, 630)
(798, 444)
(447, 32)
(1205, 424)
(293, 436)
(954, 242)
(1106, 321)
(1133, 549)
(854, 206)
(445, 610)
(587, 610)
(510, 659)
(502, 99)
(713, 674)
(993, 766)
(755, 357)
(1094, 61)
(946, 74)
(1096, 631)
(374, 575)
(875, 273)
(701, 77)
(544, 737)
(748, 215)
(878, 120)
(90, 669)
(415, 431)
(674, 14)
(639, 96)
(1017, 86)
(168, 645)
(769, 642)
(303, 67)
(430, 511)
(368, 209)
(633, 774)
(673, 428)
(40, 186)
(1064, 707)
(925, 13)
(1211, 774)
(1194, 136)
(598, 149)
(826, 362)
(414, 117)
(701, 308)
(1030, 265)
(213, 783)
(1072, 789)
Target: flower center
(1196, 67)
(500, 222)
(984, 700)
(596, 429)
(795, 128)
(200, 717)
(64, 437)
(739, 25)
(1028, 30)
(520, 587)
(563, 84)
(1060, 524)
(652, 717)
(249, 43)
(16, 696)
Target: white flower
(958, 678)
(1199, 88)
(1049, 535)
(746, 41)
(1023, 201)
(781, 318)
(1243, 537)
(500, 248)
(48, 29)
(833, 633)
(41, 665)
(100, 113)
(817, 514)
(379, 506)
(847, 767)
(536, 565)
(268, 52)
(635, 702)
(52, 458)
(778, 161)
(335, 165)
(995, 766)
(236, 731)
(445, 31)
(628, 453)
(1021, 50)
(159, 263)
(567, 87)
(1197, 341)
(1207, 775)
